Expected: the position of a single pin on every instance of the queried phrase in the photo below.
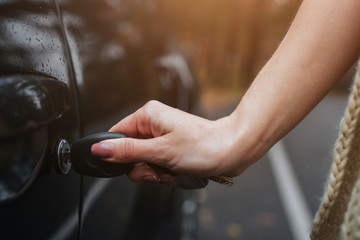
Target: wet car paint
(87, 46)
(32, 53)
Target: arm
(320, 46)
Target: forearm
(319, 48)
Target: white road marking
(70, 224)
(292, 197)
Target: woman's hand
(180, 142)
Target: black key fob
(87, 164)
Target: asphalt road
(257, 207)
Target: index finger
(143, 123)
(130, 126)
(135, 125)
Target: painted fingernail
(150, 179)
(103, 149)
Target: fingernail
(103, 149)
(150, 179)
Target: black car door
(69, 69)
(38, 107)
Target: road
(260, 206)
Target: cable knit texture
(338, 216)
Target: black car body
(69, 69)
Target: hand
(183, 143)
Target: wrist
(242, 142)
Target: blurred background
(226, 42)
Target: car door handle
(29, 101)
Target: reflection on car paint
(31, 39)
(30, 101)
(36, 88)
(20, 161)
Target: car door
(38, 107)
(67, 71)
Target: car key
(85, 163)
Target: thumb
(128, 150)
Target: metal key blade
(228, 181)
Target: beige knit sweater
(338, 216)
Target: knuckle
(152, 103)
(127, 149)
(151, 106)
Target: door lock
(62, 155)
